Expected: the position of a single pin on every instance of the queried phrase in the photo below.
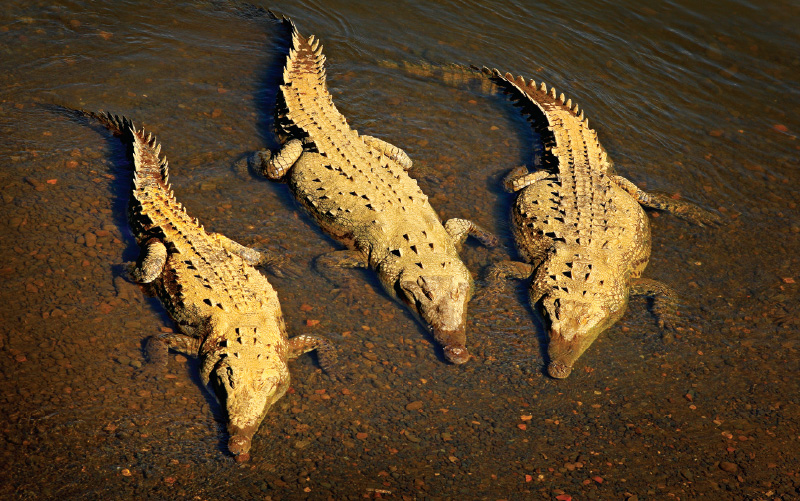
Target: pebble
(411, 437)
(415, 405)
(728, 466)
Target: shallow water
(699, 102)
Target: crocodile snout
(239, 442)
(456, 354)
(558, 369)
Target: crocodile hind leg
(275, 166)
(157, 347)
(520, 178)
(500, 272)
(680, 208)
(388, 149)
(664, 304)
(275, 263)
(332, 266)
(459, 229)
(151, 262)
(326, 353)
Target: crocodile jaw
(248, 390)
(441, 303)
(574, 325)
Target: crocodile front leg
(680, 208)
(520, 178)
(664, 299)
(500, 272)
(459, 229)
(275, 166)
(332, 266)
(275, 263)
(157, 347)
(151, 262)
(388, 149)
(326, 353)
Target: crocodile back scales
(591, 220)
(207, 290)
(360, 196)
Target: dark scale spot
(397, 253)
(567, 274)
(420, 265)
(208, 302)
(414, 248)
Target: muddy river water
(697, 102)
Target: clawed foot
(281, 266)
(348, 291)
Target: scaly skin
(357, 189)
(581, 228)
(227, 311)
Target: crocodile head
(248, 375)
(441, 303)
(574, 325)
(247, 394)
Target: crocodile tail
(150, 168)
(546, 108)
(535, 100)
(304, 69)
(452, 75)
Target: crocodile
(227, 312)
(580, 227)
(357, 189)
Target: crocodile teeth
(569, 103)
(532, 83)
(581, 115)
(553, 92)
(543, 87)
(562, 98)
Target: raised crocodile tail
(547, 109)
(149, 166)
(151, 169)
(304, 86)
